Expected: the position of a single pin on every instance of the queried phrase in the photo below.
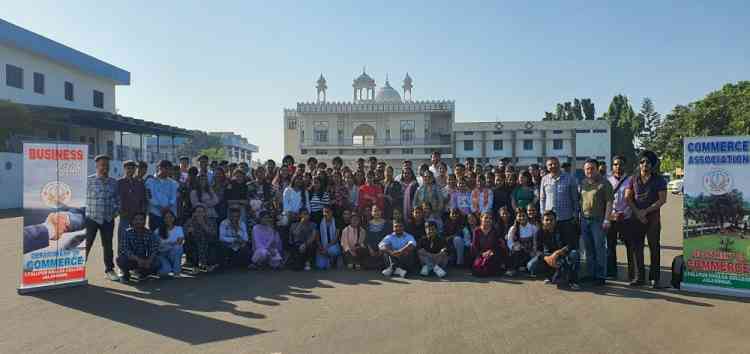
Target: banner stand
(693, 288)
(716, 215)
(26, 291)
(53, 235)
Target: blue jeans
(324, 261)
(595, 241)
(171, 261)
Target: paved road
(360, 312)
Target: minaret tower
(321, 87)
(407, 88)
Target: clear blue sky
(234, 65)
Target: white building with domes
(377, 122)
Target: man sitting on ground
(139, 250)
(399, 248)
(553, 260)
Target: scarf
(327, 232)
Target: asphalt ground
(344, 311)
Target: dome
(387, 94)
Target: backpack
(678, 269)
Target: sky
(235, 65)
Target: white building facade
(236, 147)
(526, 143)
(377, 122)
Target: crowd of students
(493, 220)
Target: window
(321, 152)
(302, 135)
(497, 145)
(557, 144)
(39, 83)
(388, 134)
(407, 131)
(528, 132)
(528, 144)
(387, 151)
(600, 130)
(110, 148)
(321, 132)
(98, 99)
(468, 145)
(498, 132)
(583, 131)
(304, 151)
(557, 132)
(13, 76)
(468, 133)
(69, 91)
(407, 151)
(600, 158)
(581, 158)
(291, 124)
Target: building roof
(387, 94)
(104, 120)
(23, 39)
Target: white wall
(594, 145)
(55, 76)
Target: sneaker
(111, 275)
(350, 266)
(211, 268)
(307, 266)
(388, 271)
(511, 273)
(522, 269)
(425, 270)
(252, 266)
(574, 286)
(547, 281)
(400, 272)
(125, 279)
(438, 271)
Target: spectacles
(645, 161)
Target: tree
(198, 142)
(625, 127)
(214, 154)
(722, 112)
(650, 120)
(579, 109)
(589, 112)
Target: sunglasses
(645, 162)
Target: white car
(675, 186)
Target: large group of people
(202, 216)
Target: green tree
(216, 153)
(722, 112)
(650, 120)
(589, 112)
(198, 142)
(625, 127)
(579, 109)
